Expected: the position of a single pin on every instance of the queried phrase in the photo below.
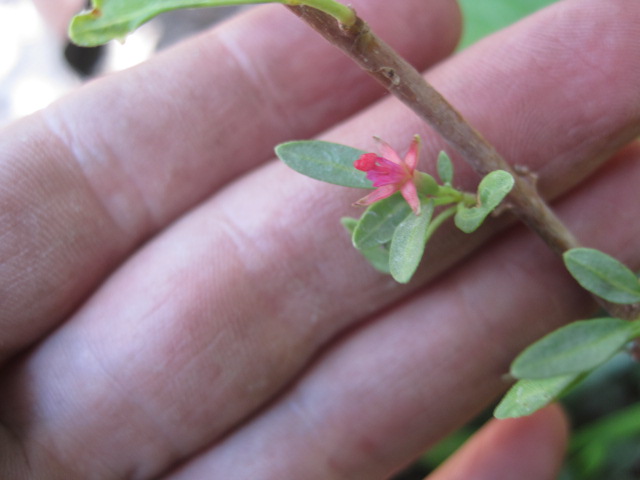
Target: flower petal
(366, 162)
(385, 172)
(388, 152)
(378, 194)
(411, 158)
(410, 194)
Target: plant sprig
(389, 234)
(549, 368)
(396, 241)
(114, 19)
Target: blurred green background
(483, 17)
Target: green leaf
(603, 275)
(408, 242)
(325, 161)
(491, 191)
(578, 347)
(527, 396)
(115, 19)
(623, 424)
(349, 223)
(484, 17)
(469, 219)
(378, 256)
(379, 221)
(426, 184)
(593, 446)
(493, 188)
(445, 168)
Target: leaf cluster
(552, 366)
(389, 234)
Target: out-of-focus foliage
(482, 17)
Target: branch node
(504, 207)
(527, 174)
(391, 74)
(348, 28)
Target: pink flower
(390, 174)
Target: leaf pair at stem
(552, 366)
(392, 233)
(392, 237)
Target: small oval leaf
(426, 184)
(349, 223)
(578, 347)
(527, 396)
(408, 242)
(493, 188)
(379, 221)
(378, 256)
(469, 219)
(603, 275)
(445, 168)
(325, 161)
(491, 191)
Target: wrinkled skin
(175, 304)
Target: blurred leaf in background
(483, 17)
(605, 418)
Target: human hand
(176, 305)
(58, 14)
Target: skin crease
(225, 324)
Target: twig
(381, 62)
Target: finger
(86, 181)
(426, 367)
(529, 447)
(287, 257)
(58, 14)
(355, 290)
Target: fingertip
(554, 421)
(538, 440)
(533, 446)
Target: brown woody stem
(381, 62)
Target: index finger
(86, 181)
